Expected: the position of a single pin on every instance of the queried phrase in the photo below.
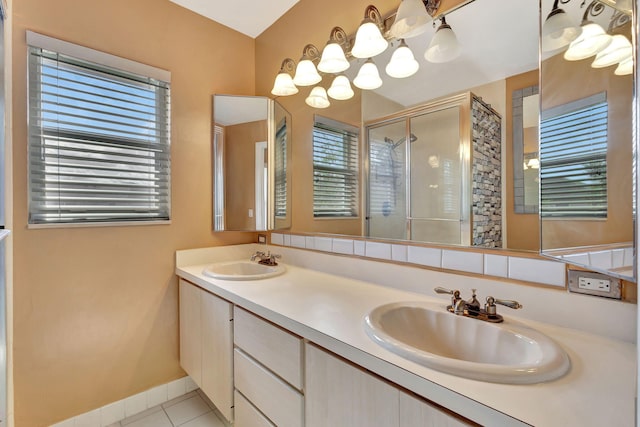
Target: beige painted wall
(95, 309)
(240, 154)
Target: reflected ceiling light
(402, 63)
(411, 20)
(306, 73)
(284, 85)
(558, 30)
(625, 67)
(533, 163)
(333, 59)
(318, 98)
(368, 77)
(369, 40)
(444, 46)
(592, 40)
(340, 88)
(618, 50)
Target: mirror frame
(517, 113)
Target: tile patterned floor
(191, 410)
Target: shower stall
(433, 173)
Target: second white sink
(428, 334)
(242, 270)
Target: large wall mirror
(420, 178)
(586, 140)
(251, 154)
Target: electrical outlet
(590, 283)
(262, 238)
(587, 282)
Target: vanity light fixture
(340, 88)
(402, 63)
(592, 39)
(558, 30)
(318, 98)
(368, 77)
(618, 50)
(369, 39)
(412, 19)
(333, 58)
(444, 46)
(284, 85)
(306, 73)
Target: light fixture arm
(338, 35)
(311, 53)
(288, 66)
(594, 9)
(432, 6)
(372, 14)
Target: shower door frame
(463, 102)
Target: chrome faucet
(472, 308)
(266, 258)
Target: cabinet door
(339, 394)
(190, 332)
(415, 412)
(217, 352)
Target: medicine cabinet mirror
(251, 154)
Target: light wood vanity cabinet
(341, 394)
(274, 378)
(206, 344)
(267, 373)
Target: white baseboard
(132, 405)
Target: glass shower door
(387, 187)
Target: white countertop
(329, 311)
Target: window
(335, 169)
(281, 170)
(573, 157)
(98, 139)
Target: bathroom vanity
(292, 350)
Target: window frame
(119, 68)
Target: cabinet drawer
(280, 402)
(275, 348)
(246, 415)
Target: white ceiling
(232, 110)
(250, 17)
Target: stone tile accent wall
(486, 175)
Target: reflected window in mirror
(335, 169)
(281, 169)
(573, 146)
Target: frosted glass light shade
(318, 98)
(411, 20)
(369, 41)
(340, 88)
(368, 77)
(619, 49)
(625, 67)
(592, 40)
(444, 46)
(306, 73)
(284, 85)
(558, 31)
(333, 59)
(402, 63)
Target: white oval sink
(428, 334)
(242, 270)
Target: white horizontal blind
(98, 143)
(335, 169)
(573, 159)
(281, 170)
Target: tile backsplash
(526, 269)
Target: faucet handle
(441, 290)
(490, 306)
